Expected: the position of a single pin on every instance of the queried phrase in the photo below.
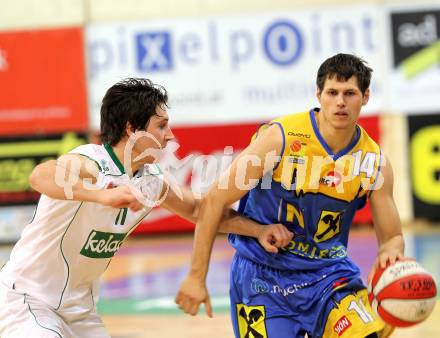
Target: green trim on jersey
(64, 257)
(114, 158)
(35, 211)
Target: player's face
(341, 102)
(155, 137)
(158, 127)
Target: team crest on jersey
(102, 244)
(251, 321)
(329, 225)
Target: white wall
(104, 10)
(24, 14)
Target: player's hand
(119, 197)
(274, 236)
(387, 255)
(192, 293)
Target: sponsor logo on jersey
(297, 147)
(342, 325)
(329, 225)
(259, 286)
(290, 290)
(251, 321)
(309, 250)
(296, 159)
(290, 133)
(297, 151)
(104, 166)
(332, 179)
(102, 244)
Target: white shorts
(22, 316)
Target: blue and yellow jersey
(313, 192)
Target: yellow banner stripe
(41, 148)
(421, 60)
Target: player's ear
(129, 129)
(318, 94)
(366, 97)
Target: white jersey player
(88, 206)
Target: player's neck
(131, 167)
(336, 139)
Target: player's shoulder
(87, 149)
(91, 152)
(294, 124)
(281, 125)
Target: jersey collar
(321, 140)
(115, 159)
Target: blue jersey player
(310, 171)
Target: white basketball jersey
(69, 244)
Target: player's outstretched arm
(386, 222)
(245, 172)
(271, 236)
(185, 204)
(75, 177)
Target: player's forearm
(205, 233)
(234, 223)
(77, 192)
(46, 180)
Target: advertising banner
(415, 71)
(42, 82)
(424, 139)
(19, 156)
(234, 69)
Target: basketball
(402, 294)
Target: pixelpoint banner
(241, 68)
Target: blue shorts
(270, 303)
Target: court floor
(138, 288)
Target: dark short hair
(344, 66)
(132, 100)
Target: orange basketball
(402, 294)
